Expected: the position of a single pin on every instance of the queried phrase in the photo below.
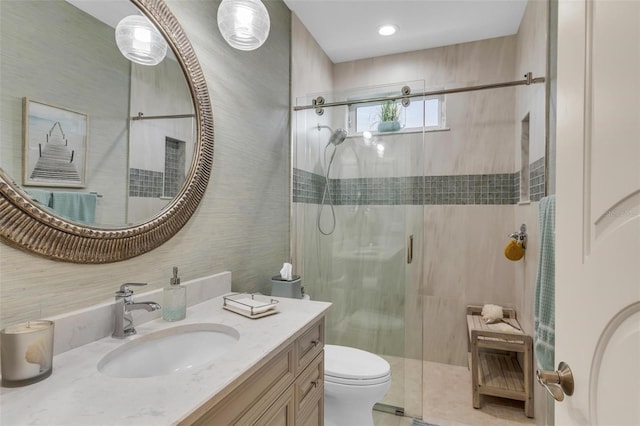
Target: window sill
(401, 132)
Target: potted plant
(389, 116)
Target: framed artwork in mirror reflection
(55, 143)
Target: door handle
(558, 383)
(410, 249)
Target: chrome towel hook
(520, 236)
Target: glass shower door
(357, 241)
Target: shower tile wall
(145, 183)
(536, 179)
(439, 190)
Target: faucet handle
(125, 291)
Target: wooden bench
(495, 369)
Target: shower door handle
(410, 249)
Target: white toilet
(354, 380)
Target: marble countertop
(78, 394)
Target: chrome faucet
(124, 306)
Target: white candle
(27, 351)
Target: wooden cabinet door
(281, 413)
(309, 392)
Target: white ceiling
(347, 29)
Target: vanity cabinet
(287, 389)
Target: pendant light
(244, 24)
(140, 41)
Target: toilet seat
(357, 382)
(354, 367)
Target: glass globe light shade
(140, 41)
(244, 24)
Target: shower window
(365, 117)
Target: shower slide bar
(319, 102)
(141, 116)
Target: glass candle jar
(27, 352)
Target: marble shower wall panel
(464, 264)
(480, 139)
(309, 64)
(311, 72)
(357, 158)
(531, 52)
(310, 142)
(460, 64)
(444, 331)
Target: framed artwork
(55, 143)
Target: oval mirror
(101, 158)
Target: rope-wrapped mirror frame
(28, 227)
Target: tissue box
(285, 288)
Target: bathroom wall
(242, 223)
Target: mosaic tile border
(490, 189)
(145, 183)
(307, 187)
(536, 179)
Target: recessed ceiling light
(387, 30)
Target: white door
(598, 210)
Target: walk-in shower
(401, 198)
(357, 214)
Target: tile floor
(447, 400)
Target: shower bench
(494, 350)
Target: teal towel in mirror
(40, 195)
(76, 206)
(544, 309)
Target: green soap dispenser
(174, 307)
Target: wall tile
(496, 189)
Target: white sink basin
(175, 349)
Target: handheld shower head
(338, 136)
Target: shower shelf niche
(495, 369)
